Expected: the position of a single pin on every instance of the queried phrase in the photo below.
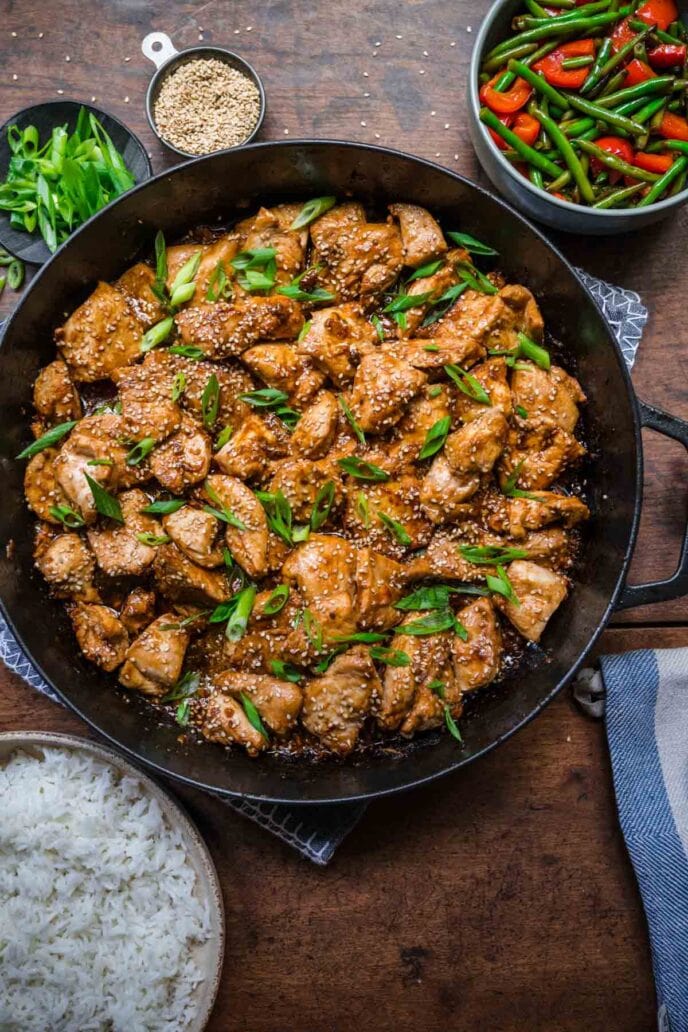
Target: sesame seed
(237, 31)
(456, 157)
(14, 34)
(425, 53)
(67, 57)
(366, 94)
(437, 154)
(433, 112)
(126, 100)
(378, 44)
(452, 44)
(469, 28)
(15, 77)
(127, 59)
(40, 35)
(399, 37)
(446, 125)
(377, 136)
(365, 75)
(248, 28)
(363, 124)
(421, 71)
(60, 91)
(286, 132)
(93, 99)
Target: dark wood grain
(500, 898)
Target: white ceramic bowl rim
(602, 213)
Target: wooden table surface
(500, 898)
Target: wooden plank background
(502, 897)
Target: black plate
(31, 247)
(225, 186)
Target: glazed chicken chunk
(332, 504)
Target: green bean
(595, 74)
(526, 21)
(535, 176)
(656, 147)
(610, 86)
(662, 84)
(570, 157)
(563, 180)
(638, 25)
(535, 9)
(586, 106)
(648, 109)
(574, 129)
(679, 145)
(508, 78)
(640, 52)
(618, 164)
(569, 63)
(528, 154)
(664, 182)
(496, 63)
(674, 30)
(675, 105)
(679, 184)
(619, 57)
(582, 25)
(618, 197)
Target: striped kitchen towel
(316, 831)
(646, 712)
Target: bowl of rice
(111, 914)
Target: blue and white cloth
(316, 831)
(646, 714)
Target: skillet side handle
(676, 585)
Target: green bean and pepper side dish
(590, 101)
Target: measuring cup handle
(158, 48)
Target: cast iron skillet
(216, 187)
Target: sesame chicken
(101, 636)
(55, 397)
(332, 503)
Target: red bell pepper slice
(617, 146)
(667, 55)
(637, 71)
(658, 12)
(622, 34)
(660, 163)
(572, 78)
(673, 127)
(508, 102)
(526, 127)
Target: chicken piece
(551, 547)
(138, 610)
(180, 580)
(379, 584)
(136, 285)
(443, 560)
(101, 636)
(68, 565)
(436, 352)
(428, 710)
(147, 406)
(337, 220)
(283, 367)
(41, 488)
(221, 250)
(421, 237)
(539, 592)
(323, 569)
(183, 459)
(491, 321)
(227, 328)
(197, 534)
(225, 722)
(154, 660)
(383, 386)
(268, 230)
(477, 445)
(76, 458)
(336, 339)
(358, 258)
(315, 431)
(492, 376)
(540, 450)
(300, 480)
(54, 397)
(118, 549)
(336, 705)
(444, 492)
(248, 544)
(406, 702)
(477, 660)
(278, 702)
(100, 336)
(399, 499)
(546, 507)
(429, 289)
(551, 394)
(408, 436)
(248, 451)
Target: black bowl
(31, 247)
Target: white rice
(98, 913)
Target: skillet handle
(676, 585)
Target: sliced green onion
(426, 270)
(502, 585)
(47, 440)
(253, 716)
(363, 509)
(362, 470)
(468, 384)
(153, 539)
(67, 516)
(285, 671)
(210, 401)
(277, 600)
(391, 657)
(313, 210)
(140, 451)
(157, 334)
(491, 554)
(529, 349)
(395, 528)
(322, 505)
(352, 419)
(470, 244)
(238, 620)
(165, 507)
(15, 274)
(187, 272)
(435, 438)
(105, 503)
